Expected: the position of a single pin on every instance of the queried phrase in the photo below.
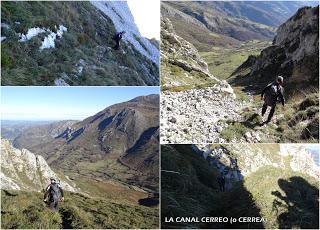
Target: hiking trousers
(221, 186)
(54, 205)
(264, 109)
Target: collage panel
(86, 43)
(240, 186)
(80, 157)
(151, 114)
(239, 72)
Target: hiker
(53, 194)
(221, 182)
(270, 94)
(117, 37)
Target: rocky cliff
(24, 170)
(294, 54)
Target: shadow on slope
(301, 202)
(190, 189)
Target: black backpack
(274, 90)
(54, 192)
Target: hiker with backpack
(53, 194)
(221, 181)
(270, 94)
(117, 37)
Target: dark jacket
(54, 191)
(271, 93)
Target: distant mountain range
(120, 143)
(216, 23)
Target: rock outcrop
(294, 54)
(250, 158)
(24, 170)
(181, 63)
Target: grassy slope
(26, 210)
(297, 122)
(195, 193)
(296, 207)
(88, 36)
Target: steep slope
(71, 43)
(180, 61)
(76, 212)
(260, 183)
(23, 170)
(120, 142)
(294, 54)
(187, 85)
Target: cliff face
(294, 54)
(24, 170)
(250, 158)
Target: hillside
(210, 24)
(118, 143)
(293, 54)
(71, 43)
(76, 212)
(262, 184)
(181, 65)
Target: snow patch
(123, 20)
(48, 41)
(32, 32)
(3, 38)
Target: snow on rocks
(32, 32)
(49, 41)
(194, 116)
(123, 20)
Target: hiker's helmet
(53, 180)
(279, 79)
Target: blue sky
(58, 103)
